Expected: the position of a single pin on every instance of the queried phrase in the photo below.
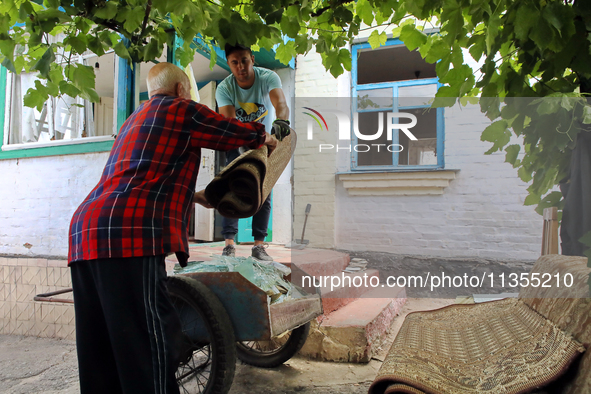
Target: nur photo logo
(394, 122)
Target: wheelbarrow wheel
(270, 354)
(208, 355)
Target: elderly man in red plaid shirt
(126, 327)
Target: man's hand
(281, 129)
(199, 198)
(271, 143)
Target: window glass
(423, 151)
(416, 95)
(374, 99)
(391, 64)
(379, 153)
(403, 87)
(64, 117)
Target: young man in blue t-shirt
(251, 94)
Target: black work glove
(280, 129)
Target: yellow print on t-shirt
(251, 112)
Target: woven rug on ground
(494, 347)
(240, 189)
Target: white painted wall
(39, 196)
(282, 192)
(314, 175)
(481, 214)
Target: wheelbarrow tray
(253, 316)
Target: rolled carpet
(499, 347)
(240, 189)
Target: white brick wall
(39, 196)
(314, 180)
(282, 199)
(481, 214)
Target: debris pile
(268, 277)
(356, 265)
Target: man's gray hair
(165, 76)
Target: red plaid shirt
(141, 204)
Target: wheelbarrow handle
(48, 297)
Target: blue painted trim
(178, 42)
(125, 89)
(410, 82)
(202, 84)
(355, 89)
(389, 42)
(382, 170)
(59, 150)
(85, 147)
(440, 138)
(170, 52)
(400, 168)
(354, 56)
(395, 136)
(201, 46)
(144, 96)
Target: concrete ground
(40, 365)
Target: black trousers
(127, 331)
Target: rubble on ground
(268, 277)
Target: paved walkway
(39, 365)
(281, 254)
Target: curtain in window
(66, 118)
(26, 124)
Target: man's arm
(228, 111)
(279, 103)
(199, 198)
(215, 131)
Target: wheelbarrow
(225, 317)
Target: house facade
(420, 190)
(51, 159)
(438, 195)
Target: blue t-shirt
(252, 104)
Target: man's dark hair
(233, 48)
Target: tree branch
(109, 25)
(146, 17)
(322, 10)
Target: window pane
(374, 99)
(416, 95)
(28, 124)
(65, 117)
(423, 151)
(379, 151)
(99, 116)
(392, 63)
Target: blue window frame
(126, 97)
(83, 135)
(392, 79)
